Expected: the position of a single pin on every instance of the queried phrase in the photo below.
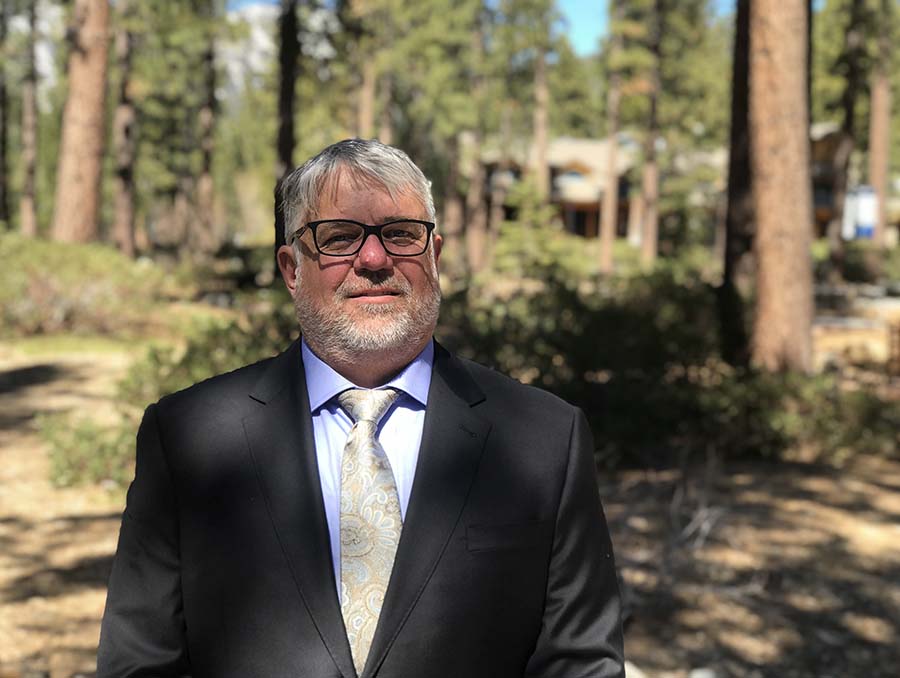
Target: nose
(372, 255)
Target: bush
(86, 452)
(48, 287)
(638, 353)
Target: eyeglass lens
(345, 237)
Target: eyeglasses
(344, 237)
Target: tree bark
(453, 215)
(77, 202)
(366, 110)
(880, 121)
(203, 234)
(540, 131)
(737, 279)
(610, 213)
(650, 174)
(635, 218)
(124, 141)
(288, 60)
(853, 57)
(4, 120)
(782, 336)
(476, 206)
(27, 200)
(386, 101)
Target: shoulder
(520, 401)
(228, 392)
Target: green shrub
(48, 287)
(638, 353)
(86, 452)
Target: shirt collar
(323, 383)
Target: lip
(374, 295)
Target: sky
(585, 20)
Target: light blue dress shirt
(400, 432)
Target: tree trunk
(650, 175)
(124, 140)
(288, 60)
(782, 337)
(853, 57)
(498, 187)
(203, 234)
(737, 279)
(453, 215)
(77, 202)
(610, 214)
(476, 208)
(635, 218)
(366, 111)
(27, 201)
(386, 101)
(541, 116)
(880, 122)
(4, 120)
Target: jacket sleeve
(581, 632)
(143, 629)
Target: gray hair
(367, 161)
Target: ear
(288, 267)
(437, 242)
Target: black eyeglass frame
(368, 229)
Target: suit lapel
(280, 436)
(452, 442)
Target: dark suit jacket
(504, 567)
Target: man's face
(370, 301)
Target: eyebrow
(386, 219)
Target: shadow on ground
(766, 570)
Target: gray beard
(336, 337)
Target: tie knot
(364, 404)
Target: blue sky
(585, 19)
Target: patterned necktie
(370, 519)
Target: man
(365, 503)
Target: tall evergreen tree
(28, 221)
(77, 203)
(782, 333)
(611, 189)
(650, 170)
(124, 131)
(4, 118)
(737, 277)
(880, 115)
(853, 66)
(288, 62)
(204, 237)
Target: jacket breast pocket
(480, 538)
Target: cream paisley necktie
(370, 519)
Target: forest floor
(754, 569)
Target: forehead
(344, 192)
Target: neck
(372, 368)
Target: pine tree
(27, 199)
(77, 203)
(781, 185)
(738, 266)
(880, 116)
(611, 190)
(124, 131)
(4, 119)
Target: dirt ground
(751, 570)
